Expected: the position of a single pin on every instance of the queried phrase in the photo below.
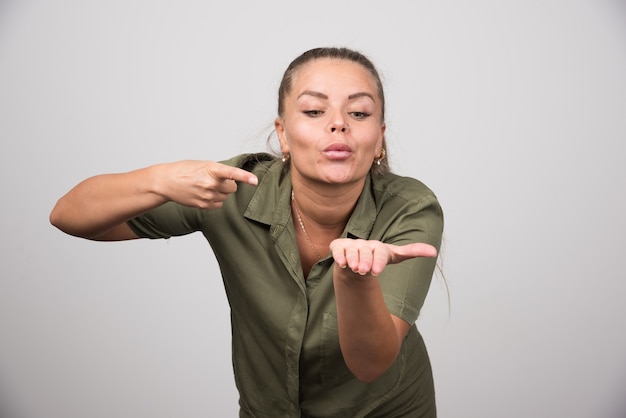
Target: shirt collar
(271, 205)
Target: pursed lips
(337, 151)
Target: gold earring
(382, 156)
(285, 157)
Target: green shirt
(286, 355)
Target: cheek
(300, 135)
(373, 137)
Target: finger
(216, 196)
(208, 204)
(337, 251)
(404, 252)
(352, 257)
(215, 204)
(225, 187)
(379, 261)
(226, 172)
(366, 258)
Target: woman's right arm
(99, 207)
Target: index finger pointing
(225, 172)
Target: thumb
(417, 249)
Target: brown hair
(342, 54)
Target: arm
(99, 207)
(369, 336)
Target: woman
(326, 257)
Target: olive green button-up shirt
(286, 356)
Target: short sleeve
(165, 221)
(405, 285)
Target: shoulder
(270, 172)
(406, 211)
(394, 187)
(406, 199)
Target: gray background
(512, 111)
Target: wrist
(349, 278)
(154, 182)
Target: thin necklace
(306, 234)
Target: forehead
(325, 74)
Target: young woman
(326, 256)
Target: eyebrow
(323, 96)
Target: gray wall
(512, 111)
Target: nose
(339, 124)
(343, 129)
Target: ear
(380, 143)
(279, 127)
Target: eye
(360, 115)
(313, 113)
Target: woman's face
(332, 124)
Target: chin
(342, 175)
(337, 178)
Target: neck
(328, 207)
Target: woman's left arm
(369, 336)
